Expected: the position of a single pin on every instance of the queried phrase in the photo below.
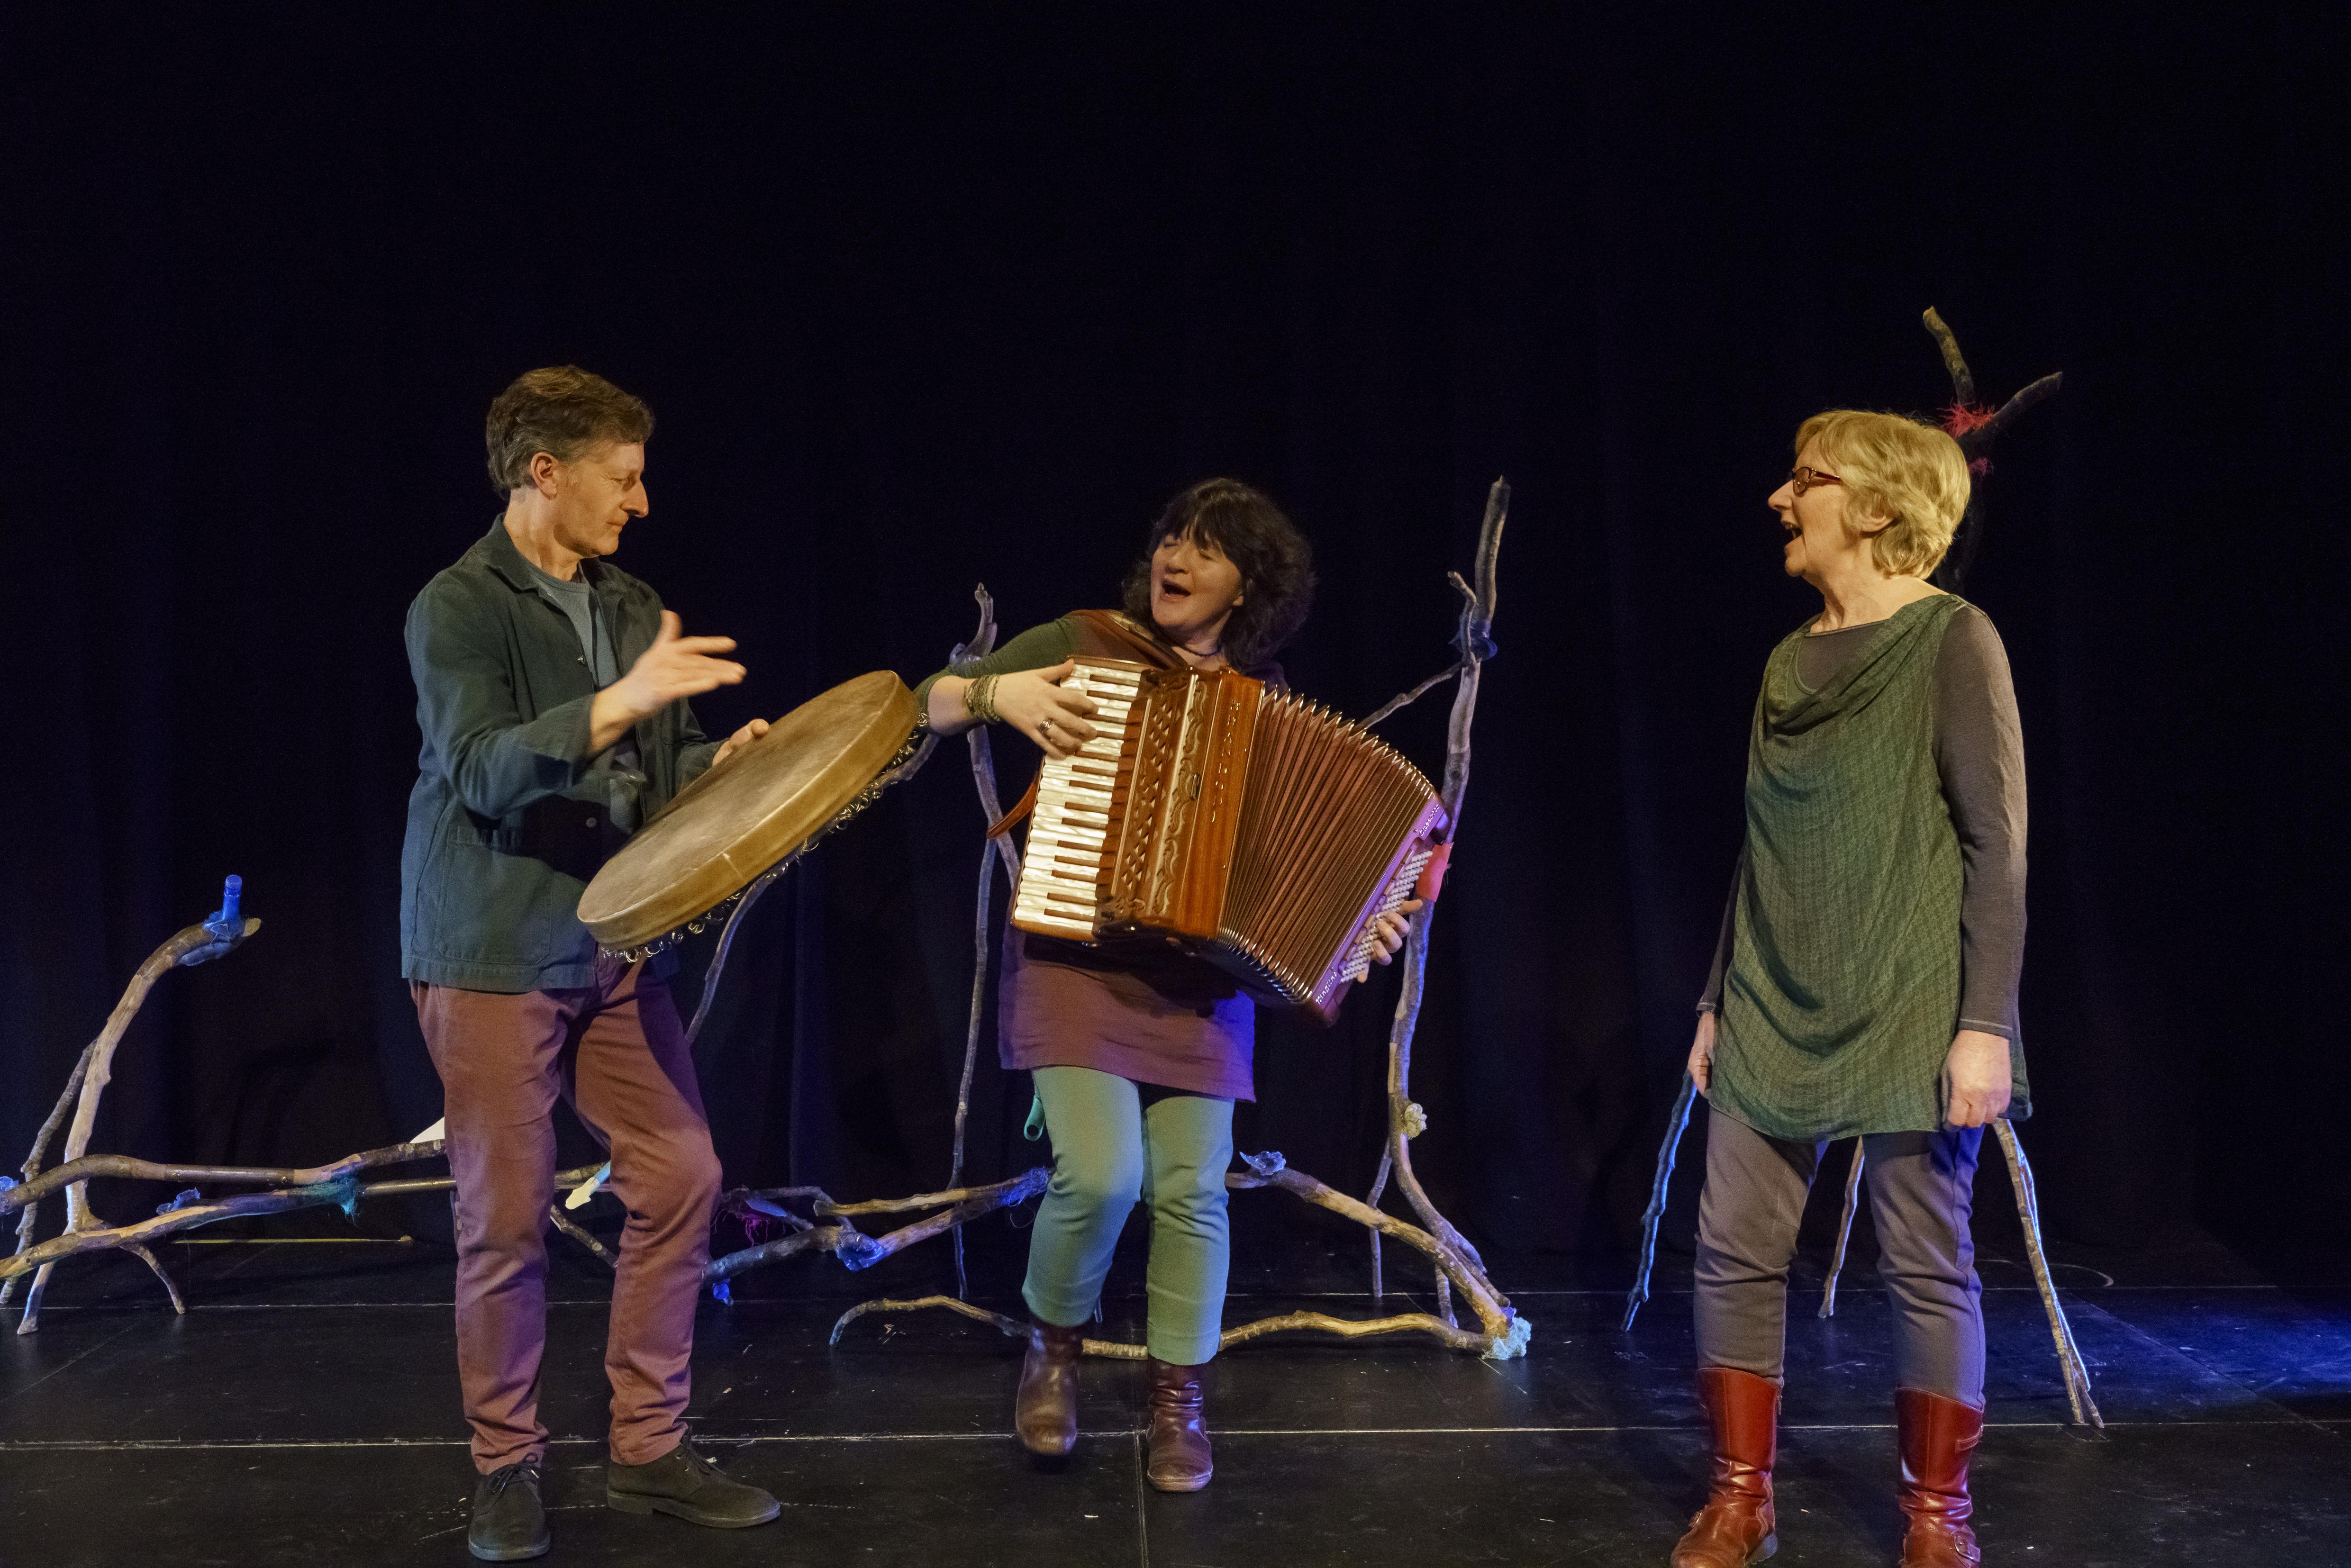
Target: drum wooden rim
(728, 827)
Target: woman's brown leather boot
(1937, 1436)
(1179, 1460)
(1736, 1527)
(1045, 1410)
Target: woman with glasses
(1865, 984)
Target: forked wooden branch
(214, 937)
(2071, 1364)
(1118, 1349)
(991, 850)
(1473, 639)
(343, 1191)
(1844, 1228)
(956, 1206)
(2070, 1359)
(1457, 1265)
(89, 1166)
(289, 1187)
(1659, 1182)
(1975, 428)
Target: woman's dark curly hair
(1241, 523)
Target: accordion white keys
(1242, 824)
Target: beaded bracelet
(980, 700)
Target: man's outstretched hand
(674, 666)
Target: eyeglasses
(1805, 479)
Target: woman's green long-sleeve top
(1882, 881)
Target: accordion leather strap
(1129, 639)
(1432, 875)
(1020, 810)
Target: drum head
(734, 822)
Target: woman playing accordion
(1136, 1056)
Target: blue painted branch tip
(227, 922)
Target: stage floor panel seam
(2333, 1427)
(163, 1309)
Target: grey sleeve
(1979, 752)
(1710, 999)
(695, 749)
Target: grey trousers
(1921, 1194)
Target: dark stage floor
(305, 1411)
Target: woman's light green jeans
(1111, 1150)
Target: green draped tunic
(1843, 991)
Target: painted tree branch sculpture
(811, 1220)
(214, 937)
(1974, 427)
(1501, 1332)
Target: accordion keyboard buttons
(1063, 875)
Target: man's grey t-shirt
(577, 602)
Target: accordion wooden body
(1237, 822)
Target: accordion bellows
(1245, 825)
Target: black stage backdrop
(928, 295)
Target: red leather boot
(1736, 1527)
(1937, 1436)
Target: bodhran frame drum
(816, 767)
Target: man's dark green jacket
(510, 818)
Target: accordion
(1241, 824)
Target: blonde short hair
(1910, 473)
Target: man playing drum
(551, 690)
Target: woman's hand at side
(1701, 1056)
(1976, 1084)
(1034, 703)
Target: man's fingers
(670, 628)
(710, 676)
(697, 646)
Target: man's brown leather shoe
(1938, 1435)
(1179, 1458)
(1045, 1410)
(1736, 1527)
